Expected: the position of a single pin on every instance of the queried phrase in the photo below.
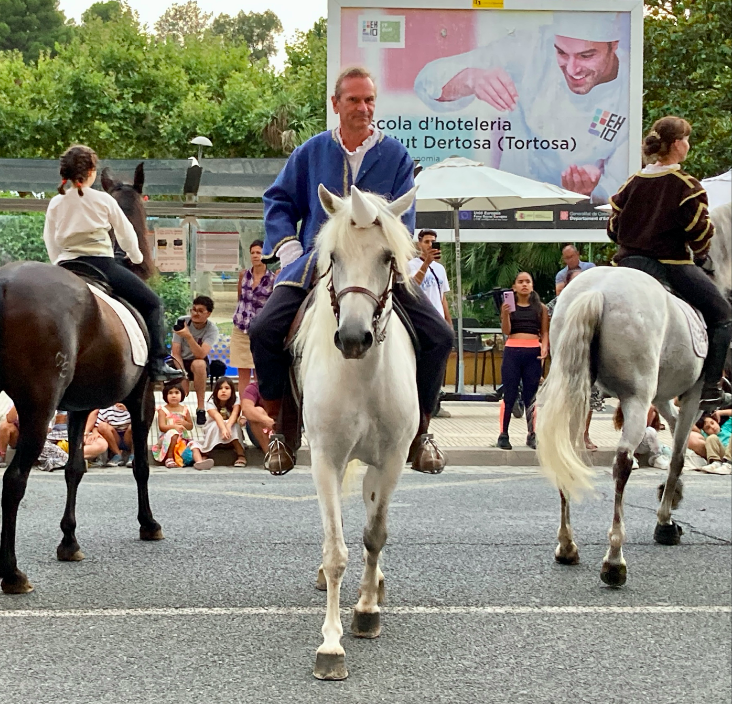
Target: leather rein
(380, 301)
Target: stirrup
(428, 459)
(160, 371)
(278, 460)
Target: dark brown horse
(60, 347)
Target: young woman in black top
(526, 348)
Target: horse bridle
(381, 301)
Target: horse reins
(381, 301)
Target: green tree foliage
(109, 11)
(257, 30)
(21, 237)
(688, 72)
(31, 26)
(182, 21)
(175, 291)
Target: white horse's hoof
(613, 575)
(330, 666)
(366, 624)
(321, 583)
(567, 556)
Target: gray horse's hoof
(330, 666)
(321, 583)
(151, 533)
(669, 534)
(613, 575)
(567, 556)
(69, 553)
(366, 625)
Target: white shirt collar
(365, 145)
(660, 168)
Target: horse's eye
(387, 257)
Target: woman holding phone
(524, 319)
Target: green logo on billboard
(390, 32)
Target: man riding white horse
(660, 214)
(355, 153)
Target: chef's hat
(590, 26)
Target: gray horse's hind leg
(68, 550)
(667, 531)
(566, 552)
(614, 570)
(668, 413)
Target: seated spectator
(571, 259)
(115, 426)
(255, 287)
(221, 426)
(175, 425)
(651, 450)
(56, 448)
(193, 337)
(712, 441)
(8, 433)
(254, 418)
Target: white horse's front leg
(566, 552)
(378, 487)
(614, 570)
(330, 661)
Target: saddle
(694, 319)
(130, 318)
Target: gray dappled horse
(61, 347)
(622, 327)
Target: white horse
(720, 250)
(623, 327)
(358, 378)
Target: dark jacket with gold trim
(662, 216)
(387, 170)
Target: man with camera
(431, 276)
(193, 337)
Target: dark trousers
(270, 327)
(138, 294)
(695, 287)
(520, 364)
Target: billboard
(553, 94)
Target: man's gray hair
(351, 72)
(570, 246)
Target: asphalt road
(224, 609)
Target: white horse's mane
(340, 234)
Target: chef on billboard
(566, 84)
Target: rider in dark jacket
(660, 213)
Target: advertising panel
(171, 251)
(552, 94)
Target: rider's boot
(157, 367)
(280, 456)
(423, 453)
(713, 396)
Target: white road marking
(398, 610)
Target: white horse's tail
(564, 398)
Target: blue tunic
(387, 170)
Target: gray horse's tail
(564, 398)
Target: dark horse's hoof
(69, 553)
(668, 535)
(18, 584)
(567, 556)
(330, 666)
(613, 575)
(366, 625)
(152, 533)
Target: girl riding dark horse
(62, 347)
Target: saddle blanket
(697, 328)
(134, 333)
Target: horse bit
(335, 300)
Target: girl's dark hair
(534, 300)
(700, 423)
(256, 243)
(215, 394)
(174, 385)
(663, 134)
(76, 165)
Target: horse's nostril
(337, 341)
(368, 340)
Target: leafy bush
(175, 290)
(21, 238)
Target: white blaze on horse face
(363, 211)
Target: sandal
(203, 464)
(590, 445)
(170, 463)
(240, 461)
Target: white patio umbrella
(719, 189)
(456, 181)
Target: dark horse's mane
(130, 200)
